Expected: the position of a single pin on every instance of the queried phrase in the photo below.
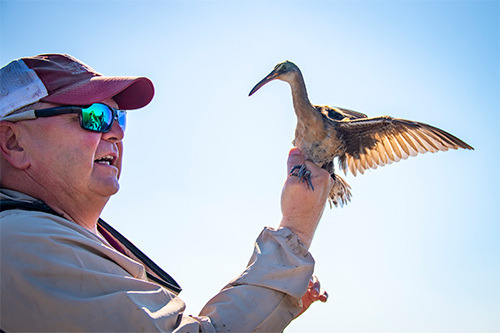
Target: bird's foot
(303, 175)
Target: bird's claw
(303, 175)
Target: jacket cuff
(280, 262)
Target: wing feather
(401, 142)
(336, 113)
(375, 155)
(369, 160)
(370, 157)
(435, 139)
(429, 144)
(382, 154)
(395, 148)
(352, 167)
(413, 151)
(343, 163)
(388, 149)
(421, 147)
(362, 163)
(357, 164)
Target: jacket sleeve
(266, 296)
(56, 276)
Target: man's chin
(107, 188)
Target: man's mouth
(108, 159)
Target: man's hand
(302, 206)
(314, 293)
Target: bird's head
(284, 71)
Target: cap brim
(128, 92)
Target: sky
(416, 250)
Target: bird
(358, 142)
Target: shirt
(57, 276)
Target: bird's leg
(303, 175)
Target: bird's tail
(340, 193)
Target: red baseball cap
(63, 79)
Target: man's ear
(10, 147)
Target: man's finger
(295, 157)
(323, 297)
(314, 286)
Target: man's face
(65, 157)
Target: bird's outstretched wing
(378, 141)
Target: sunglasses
(96, 117)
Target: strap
(35, 205)
(153, 271)
(161, 276)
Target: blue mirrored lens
(122, 119)
(97, 117)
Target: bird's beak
(272, 76)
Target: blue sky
(417, 249)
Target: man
(64, 269)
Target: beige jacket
(56, 276)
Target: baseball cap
(63, 79)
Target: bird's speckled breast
(317, 144)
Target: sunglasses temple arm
(57, 111)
